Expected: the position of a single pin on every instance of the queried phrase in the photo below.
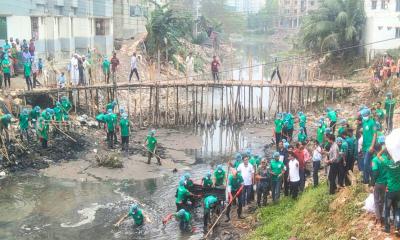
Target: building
(59, 27)
(382, 23)
(245, 6)
(292, 11)
(129, 18)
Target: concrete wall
(381, 25)
(126, 26)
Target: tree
(164, 29)
(336, 24)
(266, 18)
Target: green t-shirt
(332, 116)
(351, 141)
(186, 217)
(106, 66)
(207, 182)
(58, 114)
(34, 114)
(137, 217)
(219, 178)
(290, 121)
(341, 130)
(124, 124)
(393, 176)
(5, 64)
(237, 163)
(27, 69)
(380, 113)
(369, 129)
(235, 183)
(389, 106)
(278, 125)
(44, 128)
(46, 116)
(110, 121)
(208, 201)
(255, 161)
(110, 106)
(301, 137)
(23, 121)
(378, 165)
(302, 121)
(276, 168)
(66, 106)
(181, 194)
(151, 143)
(344, 148)
(320, 134)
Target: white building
(246, 6)
(59, 27)
(382, 23)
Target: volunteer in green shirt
(183, 217)
(66, 107)
(111, 105)
(379, 113)
(301, 136)
(110, 122)
(124, 126)
(235, 187)
(106, 69)
(278, 128)
(392, 193)
(369, 137)
(238, 160)
(320, 132)
(27, 74)
(342, 172)
(277, 170)
(182, 195)
(34, 115)
(6, 66)
(151, 146)
(352, 149)
(302, 121)
(207, 181)
(219, 176)
(5, 121)
(137, 215)
(332, 116)
(390, 104)
(210, 203)
(43, 129)
(342, 127)
(289, 125)
(24, 124)
(255, 160)
(379, 178)
(58, 114)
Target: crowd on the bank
(386, 67)
(15, 57)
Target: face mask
(366, 118)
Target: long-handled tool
(54, 125)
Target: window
(135, 11)
(398, 32)
(35, 27)
(3, 28)
(397, 5)
(102, 27)
(374, 4)
(384, 4)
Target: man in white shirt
(317, 157)
(134, 67)
(294, 175)
(247, 171)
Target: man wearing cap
(184, 217)
(5, 121)
(283, 157)
(321, 131)
(111, 122)
(206, 181)
(390, 104)
(124, 126)
(301, 136)
(151, 144)
(302, 121)
(332, 115)
(106, 69)
(235, 186)
(219, 176)
(136, 214)
(278, 129)
(277, 171)
(238, 160)
(24, 124)
(263, 186)
(210, 202)
(369, 137)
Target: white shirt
(247, 173)
(294, 175)
(133, 62)
(317, 156)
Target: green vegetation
(336, 24)
(315, 215)
(265, 20)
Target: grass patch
(312, 215)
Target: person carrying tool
(151, 144)
(137, 215)
(34, 115)
(210, 204)
(24, 124)
(43, 129)
(111, 122)
(66, 107)
(207, 181)
(235, 182)
(124, 125)
(5, 121)
(219, 175)
(183, 217)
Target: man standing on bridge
(134, 67)
(215, 68)
(114, 65)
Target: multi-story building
(245, 6)
(59, 27)
(292, 11)
(382, 28)
(129, 18)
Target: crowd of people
(16, 57)
(385, 68)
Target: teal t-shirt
(137, 217)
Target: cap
(275, 155)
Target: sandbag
(369, 204)
(392, 143)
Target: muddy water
(37, 207)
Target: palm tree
(336, 24)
